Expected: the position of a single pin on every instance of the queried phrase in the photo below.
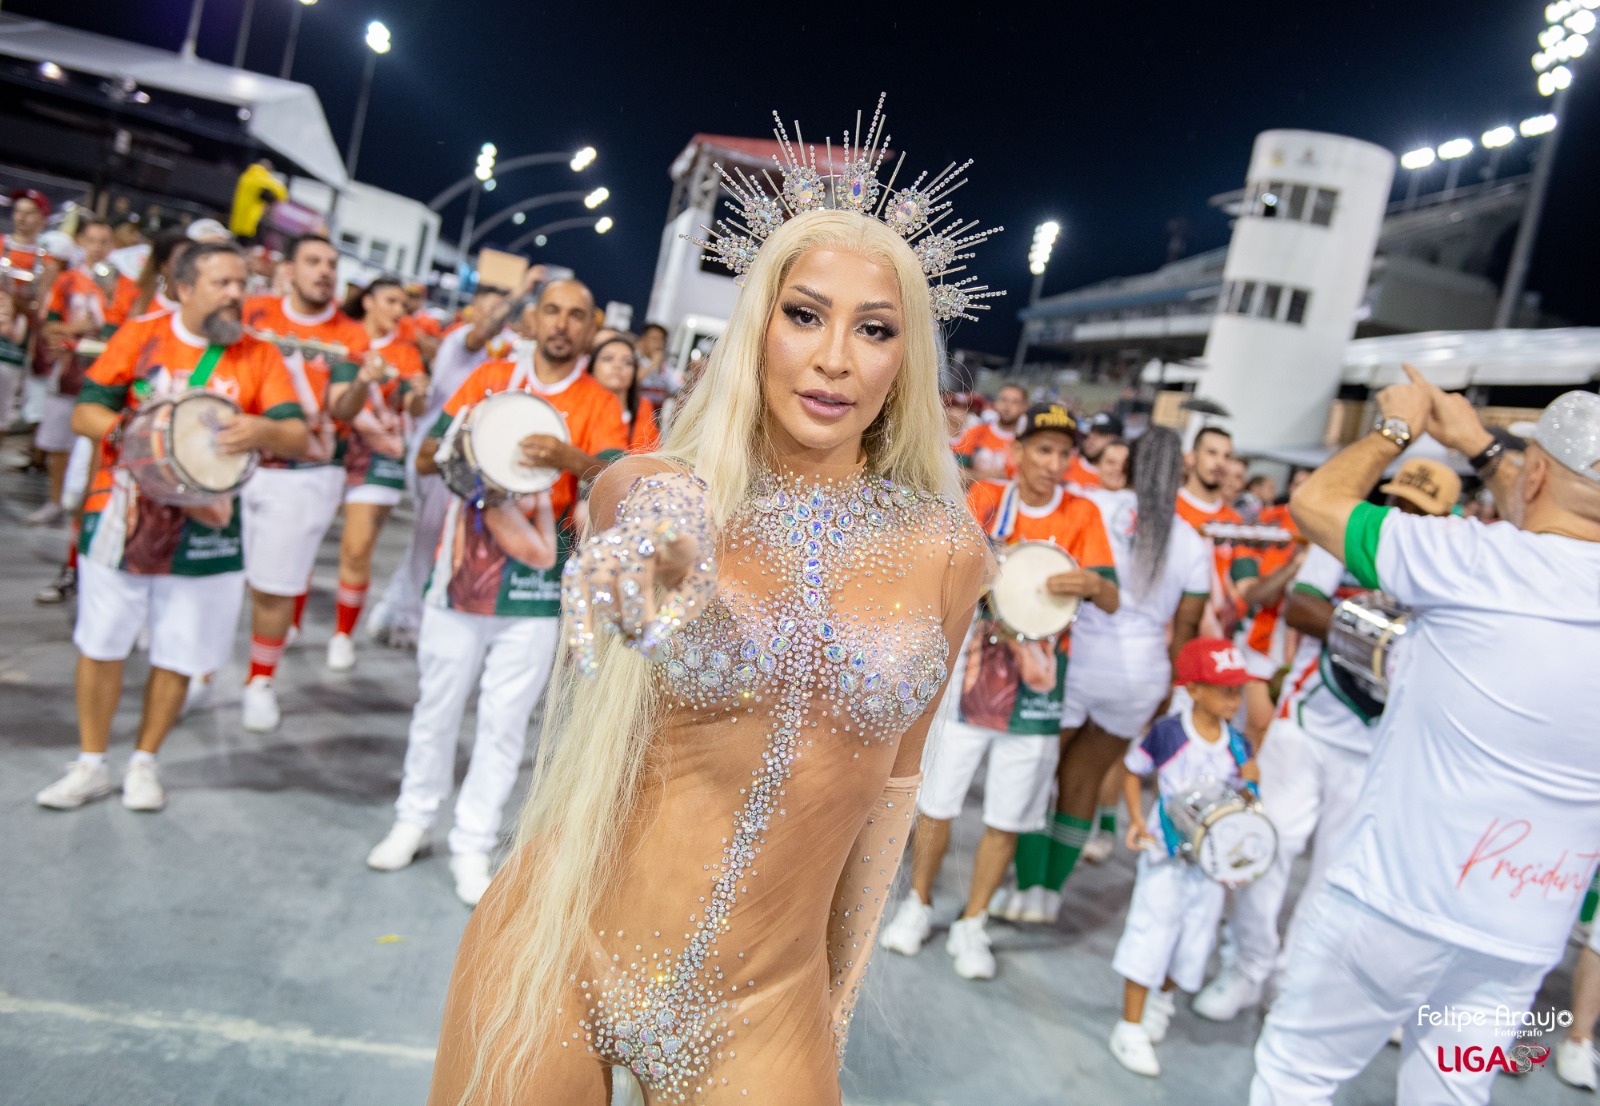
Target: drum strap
(208, 361)
(1005, 519)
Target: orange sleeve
(983, 498)
(122, 303)
(603, 430)
(117, 365)
(1092, 547)
(427, 324)
(60, 288)
(471, 388)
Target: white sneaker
(1098, 850)
(292, 637)
(910, 928)
(472, 876)
(1159, 1006)
(198, 697)
(1575, 1063)
(1225, 996)
(399, 849)
(1000, 901)
(1040, 905)
(969, 944)
(141, 787)
(1132, 1047)
(261, 713)
(48, 515)
(341, 653)
(82, 783)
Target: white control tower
(1295, 275)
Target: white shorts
(287, 513)
(1172, 924)
(1118, 688)
(376, 494)
(54, 434)
(191, 618)
(1017, 788)
(76, 481)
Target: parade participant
(23, 257)
(290, 503)
(1315, 755)
(1121, 671)
(417, 325)
(1202, 504)
(613, 365)
(390, 382)
(1172, 918)
(1260, 494)
(1104, 429)
(176, 570)
(1010, 696)
(256, 190)
(156, 276)
(819, 403)
(1263, 635)
(1474, 837)
(986, 448)
(396, 618)
(89, 300)
(494, 598)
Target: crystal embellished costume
(725, 964)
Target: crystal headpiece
(920, 212)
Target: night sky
(1113, 118)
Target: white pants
(1307, 787)
(191, 618)
(1119, 686)
(515, 656)
(54, 432)
(1172, 923)
(402, 597)
(1016, 788)
(287, 513)
(1354, 974)
(76, 480)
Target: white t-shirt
(1480, 818)
(1187, 571)
(1310, 697)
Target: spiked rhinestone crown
(919, 212)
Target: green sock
(1068, 835)
(1033, 859)
(1108, 820)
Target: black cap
(1047, 416)
(1106, 423)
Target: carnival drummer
(985, 449)
(491, 616)
(178, 570)
(1010, 696)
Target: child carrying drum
(1172, 920)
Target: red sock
(72, 554)
(347, 606)
(265, 653)
(300, 607)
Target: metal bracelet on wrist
(1485, 463)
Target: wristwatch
(1397, 430)
(1485, 463)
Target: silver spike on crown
(920, 212)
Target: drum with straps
(1223, 830)
(480, 456)
(1019, 598)
(169, 447)
(1365, 637)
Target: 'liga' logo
(1520, 1060)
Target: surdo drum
(480, 457)
(169, 447)
(1223, 830)
(1018, 597)
(1365, 638)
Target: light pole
(377, 43)
(1454, 151)
(244, 33)
(1044, 241)
(576, 162)
(294, 37)
(1414, 162)
(192, 35)
(538, 234)
(482, 181)
(590, 200)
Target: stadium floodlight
(596, 198)
(603, 224)
(1456, 147)
(582, 159)
(1417, 159)
(1497, 137)
(1538, 124)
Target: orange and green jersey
(1080, 473)
(1231, 562)
(364, 464)
(986, 450)
(155, 355)
(1268, 633)
(310, 375)
(111, 309)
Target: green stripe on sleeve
(441, 424)
(1109, 572)
(1307, 589)
(609, 455)
(1361, 542)
(963, 460)
(1244, 568)
(111, 396)
(1197, 595)
(343, 373)
(284, 411)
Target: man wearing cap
(1315, 756)
(1082, 473)
(1010, 693)
(1478, 828)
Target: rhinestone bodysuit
(782, 703)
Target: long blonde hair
(597, 733)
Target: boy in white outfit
(1172, 920)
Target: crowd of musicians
(1196, 663)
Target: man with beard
(494, 599)
(986, 448)
(1201, 504)
(176, 569)
(290, 503)
(1083, 473)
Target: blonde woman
(721, 803)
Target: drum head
(498, 425)
(196, 418)
(1237, 847)
(1019, 597)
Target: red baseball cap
(1211, 660)
(36, 196)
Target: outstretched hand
(1411, 402)
(1452, 419)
